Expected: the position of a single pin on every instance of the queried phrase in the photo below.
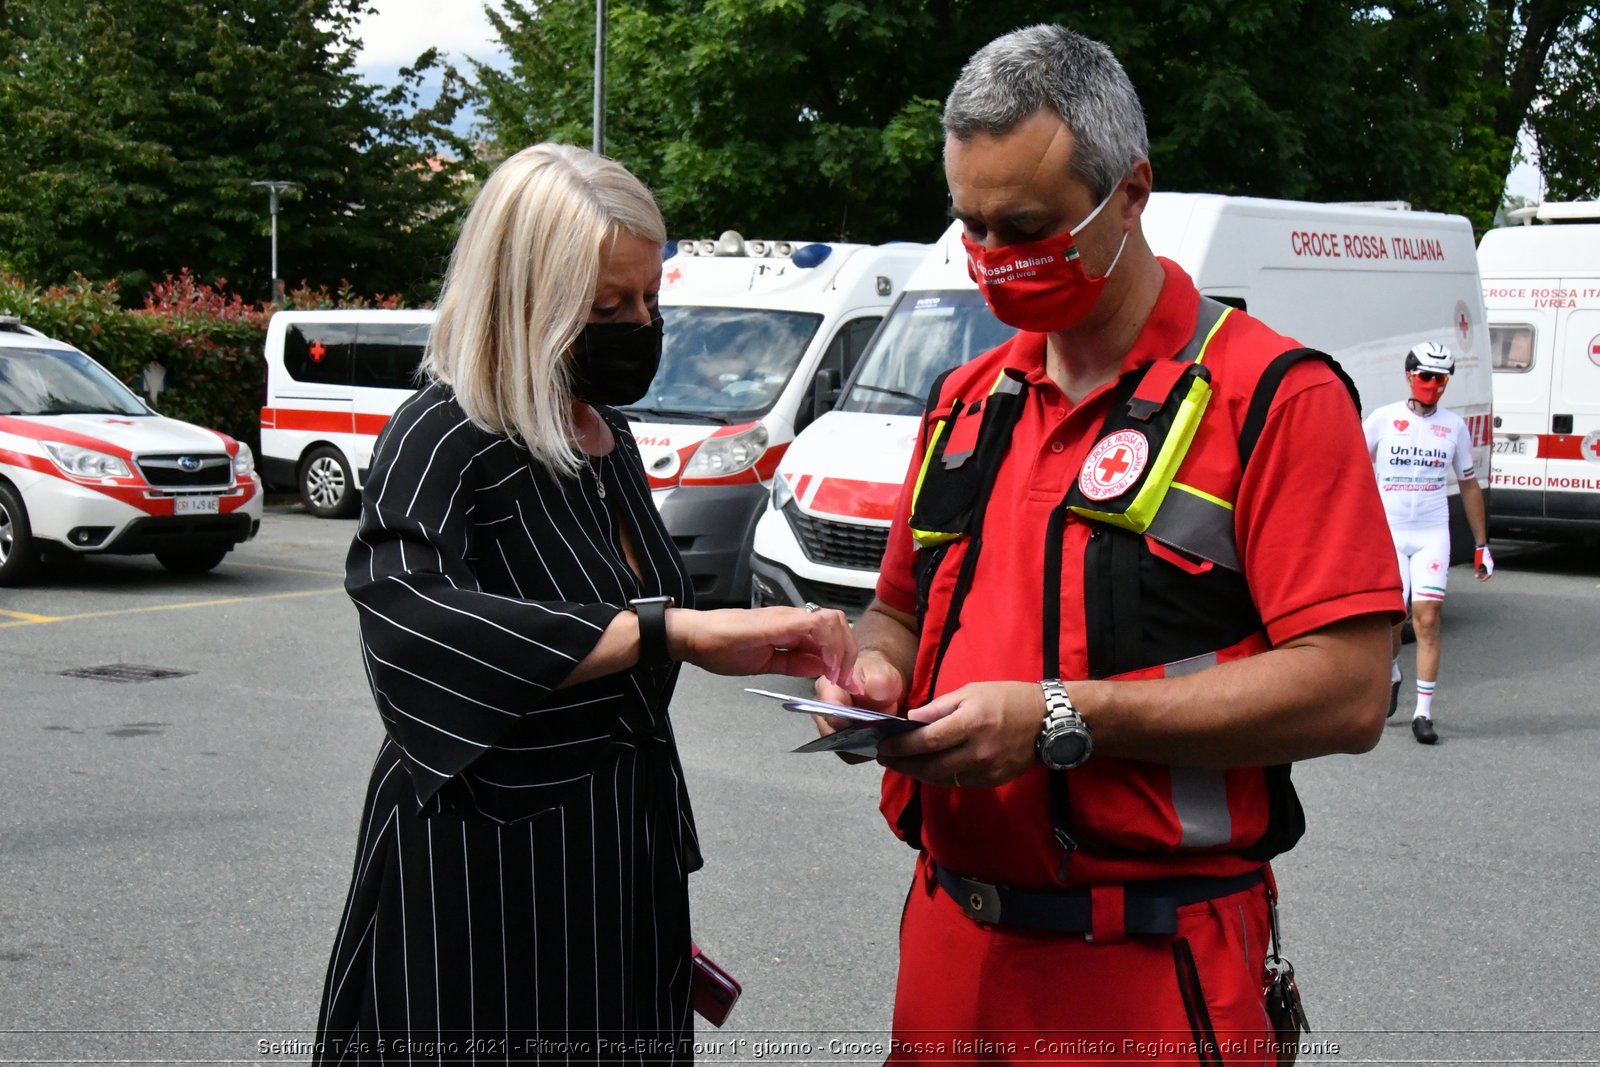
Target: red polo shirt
(1309, 526)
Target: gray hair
(519, 288)
(1013, 76)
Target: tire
(19, 558)
(326, 487)
(192, 560)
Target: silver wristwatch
(1064, 742)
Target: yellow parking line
(287, 570)
(168, 607)
(26, 617)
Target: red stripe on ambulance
(853, 499)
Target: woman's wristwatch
(652, 612)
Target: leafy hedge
(208, 340)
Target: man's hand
(982, 734)
(879, 685)
(1482, 563)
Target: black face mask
(614, 362)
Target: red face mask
(1039, 286)
(1427, 393)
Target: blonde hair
(519, 287)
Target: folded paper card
(866, 730)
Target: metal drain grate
(124, 672)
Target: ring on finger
(810, 607)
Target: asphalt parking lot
(177, 849)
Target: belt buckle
(980, 901)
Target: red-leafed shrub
(207, 339)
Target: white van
(87, 467)
(333, 380)
(759, 335)
(1363, 283)
(1541, 285)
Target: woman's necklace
(594, 469)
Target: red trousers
(977, 993)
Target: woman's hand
(789, 641)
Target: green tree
(132, 129)
(820, 118)
(1544, 53)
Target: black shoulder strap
(931, 405)
(1255, 419)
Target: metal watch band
(1056, 700)
(1061, 723)
(652, 612)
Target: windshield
(45, 382)
(925, 335)
(725, 364)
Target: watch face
(1067, 749)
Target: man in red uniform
(1139, 567)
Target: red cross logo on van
(1594, 350)
(1114, 465)
(318, 350)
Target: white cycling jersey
(1413, 456)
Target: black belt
(1149, 908)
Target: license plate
(194, 505)
(1513, 446)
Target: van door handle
(1561, 424)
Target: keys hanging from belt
(1282, 995)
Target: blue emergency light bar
(732, 244)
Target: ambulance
(1363, 282)
(1541, 285)
(86, 467)
(759, 336)
(333, 380)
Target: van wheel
(326, 488)
(18, 556)
(192, 560)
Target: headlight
(782, 492)
(718, 457)
(244, 464)
(84, 462)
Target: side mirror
(824, 391)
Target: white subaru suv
(87, 467)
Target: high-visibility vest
(1163, 592)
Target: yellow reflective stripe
(1139, 514)
(1203, 495)
(929, 538)
(1226, 311)
(1173, 449)
(999, 380)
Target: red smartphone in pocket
(713, 991)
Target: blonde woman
(520, 884)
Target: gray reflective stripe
(1199, 795)
(1196, 525)
(1200, 798)
(1206, 318)
(1006, 384)
(1192, 665)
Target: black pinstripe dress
(520, 888)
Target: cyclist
(1415, 445)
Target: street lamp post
(599, 77)
(274, 188)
